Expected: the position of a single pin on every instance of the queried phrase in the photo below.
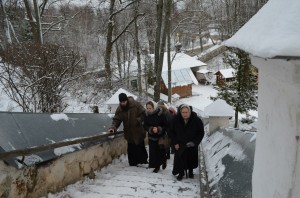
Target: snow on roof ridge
(269, 35)
(114, 99)
(219, 108)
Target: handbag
(164, 141)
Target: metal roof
(236, 177)
(26, 130)
(180, 77)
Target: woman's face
(185, 113)
(149, 108)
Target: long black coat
(156, 153)
(132, 118)
(181, 133)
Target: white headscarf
(185, 106)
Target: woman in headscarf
(186, 132)
(155, 124)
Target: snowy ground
(120, 180)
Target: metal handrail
(44, 147)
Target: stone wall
(37, 181)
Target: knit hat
(122, 97)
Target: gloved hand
(190, 144)
(111, 130)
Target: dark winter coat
(168, 116)
(157, 153)
(181, 133)
(155, 119)
(132, 118)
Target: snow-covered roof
(218, 108)
(180, 77)
(181, 61)
(203, 71)
(115, 98)
(227, 73)
(273, 31)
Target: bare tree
(5, 20)
(109, 35)
(137, 48)
(36, 76)
(168, 33)
(158, 37)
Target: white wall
(277, 156)
(113, 107)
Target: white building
(218, 114)
(272, 37)
(113, 102)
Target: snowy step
(121, 180)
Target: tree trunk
(118, 54)
(124, 59)
(150, 34)
(5, 25)
(31, 21)
(157, 56)
(168, 32)
(109, 44)
(38, 23)
(159, 18)
(138, 54)
(236, 117)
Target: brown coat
(132, 119)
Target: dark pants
(137, 154)
(185, 159)
(157, 154)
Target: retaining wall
(39, 180)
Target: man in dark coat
(131, 113)
(186, 132)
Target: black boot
(180, 176)
(191, 174)
(156, 170)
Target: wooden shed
(225, 76)
(182, 75)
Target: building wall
(113, 107)
(38, 181)
(277, 156)
(182, 91)
(217, 122)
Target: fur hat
(122, 97)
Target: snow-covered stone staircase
(120, 180)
